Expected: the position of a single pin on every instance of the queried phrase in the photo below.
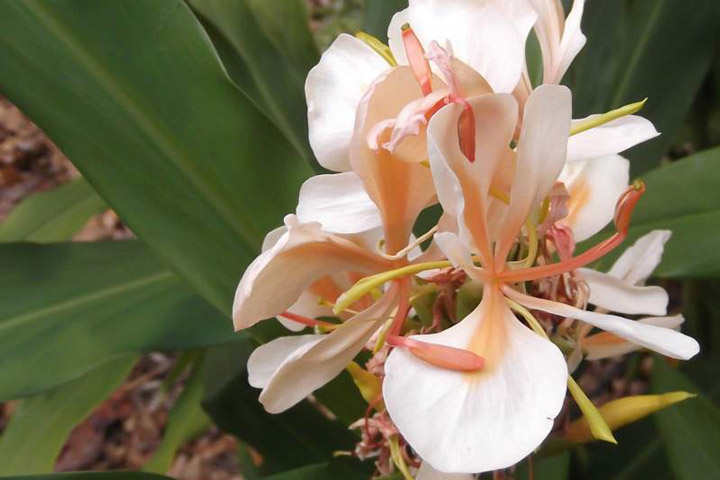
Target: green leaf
(378, 14)
(69, 307)
(91, 476)
(287, 25)
(682, 197)
(551, 468)
(52, 216)
(297, 437)
(40, 426)
(660, 49)
(243, 25)
(134, 94)
(638, 455)
(325, 471)
(186, 421)
(690, 430)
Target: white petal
(458, 253)
(611, 138)
(597, 351)
(637, 263)
(304, 254)
(272, 238)
(595, 187)
(573, 40)
(339, 202)
(662, 340)
(333, 90)
(308, 369)
(267, 358)
(427, 472)
(480, 33)
(616, 295)
(541, 153)
(487, 420)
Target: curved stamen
(623, 213)
(311, 322)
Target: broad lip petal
(480, 32)
(427, 472)
(666, 341)
(303, 255)
(333, 89)
(609, 139)
(475, 422)
(595, 187)
(317, 361)
(616, 295)
(339, 202)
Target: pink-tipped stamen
(449, 358)
(416, 57)
(623, 214)
(311, 322)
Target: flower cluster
(471, 340)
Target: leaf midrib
(87, 299)
(152, 130)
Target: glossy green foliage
(88, 303)
(40, 425)
(134, 94)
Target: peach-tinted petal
(463, 187)
(400, 189)
(541, 154)
(303, 255)
(318, 361)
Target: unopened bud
(624, 411)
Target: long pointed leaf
(69, 307)
(40, 426)
(134, 94)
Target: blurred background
(666, 50)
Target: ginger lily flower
(488, 36)
(487, 419)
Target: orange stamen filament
(623, 213)
(416, 57)
(305, 320)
